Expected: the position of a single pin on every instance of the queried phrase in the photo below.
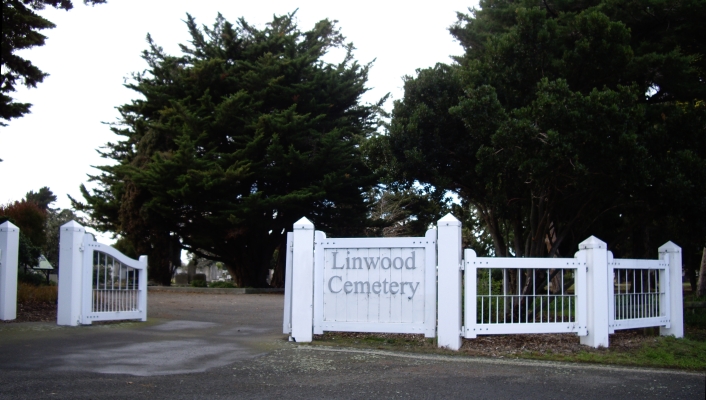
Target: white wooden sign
(375, 284)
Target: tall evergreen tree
(236, 139)
(43, 198)
(564, 119)
(20, 30)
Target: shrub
(31, 294)
(198, 283)
(219, 284)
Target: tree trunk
(278, 277)
(247, 275)
(691, 275)
(702, 276)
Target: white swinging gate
(334, 284)
(97, 282)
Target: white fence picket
(449, 249)
(287, 320)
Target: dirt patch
(35, 312)
(498, 346)
(559, 343)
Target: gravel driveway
(231, 346)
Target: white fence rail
(97, 282)
(9, 245)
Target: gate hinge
(462, 266)
(463, 331)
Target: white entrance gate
(97, 282)
(118, 284)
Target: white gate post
(449, 293)
(597, 289)
(70, 277)
(143, 287)
(470, 291)
(9, 244)
(672, 253)
(303, 281)
(287, 320)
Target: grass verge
(639, 347)
(660, 352)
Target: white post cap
(592, 243)
(304, 224)
(73, 226)
(669, 247)
(449, 220)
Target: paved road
(231, 346)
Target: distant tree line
(39, 225)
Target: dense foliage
(233, 141)
(564, 119)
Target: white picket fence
(590, 295)
(97, 282)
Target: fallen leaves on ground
(499, 346)
(35, 312)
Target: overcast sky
(93, 50)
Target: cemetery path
(231, 346)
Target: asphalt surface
(231, 346)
